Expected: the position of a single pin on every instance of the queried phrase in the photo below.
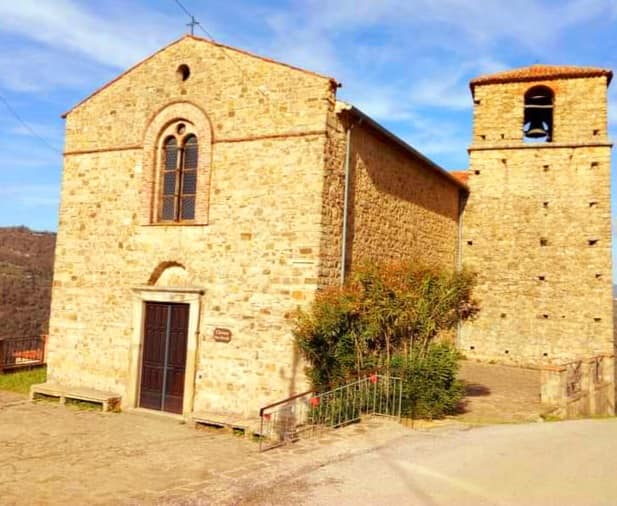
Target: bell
(536, 130)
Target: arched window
(179, 175)
(538, 120)
(175, 176)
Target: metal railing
(20, 352)
(310, 413)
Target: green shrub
(384, 310)
(327, 338)
(430, 387)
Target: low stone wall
(580, 388)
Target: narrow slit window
(538, 117)
(170, 178)
(189, 179)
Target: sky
(406, 63)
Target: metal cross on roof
(192, 24)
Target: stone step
(232, 421)
(108, 400)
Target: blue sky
(407, 63)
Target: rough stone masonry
(537, 230)
(242, 225)
(262, 231)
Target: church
(208, 193)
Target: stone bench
(108, 400)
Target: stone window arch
(176, 166)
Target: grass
(71, 403)
(46, 398)
(83, 405)
(20, 381)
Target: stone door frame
(141, 295)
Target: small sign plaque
(222, 335)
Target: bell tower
(537, 225)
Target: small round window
(184, 72)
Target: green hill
(26, 266)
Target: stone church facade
(207, 194)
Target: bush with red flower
(387, 319)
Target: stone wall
(243, 96)
(332, 197)
(537, 227)
(580, 388)
(400, 208)
(256, 260)
(267, 230)
(580, 112)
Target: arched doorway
(164, 346)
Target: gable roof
(541, 72)
(365, 119)
(200, 39)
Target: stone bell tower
(537, 226)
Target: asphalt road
(552, 463)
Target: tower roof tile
(541, 72)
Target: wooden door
(164, 356)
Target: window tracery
(179, 166)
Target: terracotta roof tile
(541, 72)
(461, 175)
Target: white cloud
(301, 47)
(116, 40)
(439, 140)
(382, 103)
(31, 195)
(448, 92)
(528, 22)
(36, 69)
(331, 33)
(328, 37)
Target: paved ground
(9, 397)
(51, 454)
(57, 455)
(500, 394)
(555, 463)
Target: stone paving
(51, 454)
(500, 393)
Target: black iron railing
(19, 352)
(309, 413)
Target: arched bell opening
(538, 118)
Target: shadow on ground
(498, 394)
